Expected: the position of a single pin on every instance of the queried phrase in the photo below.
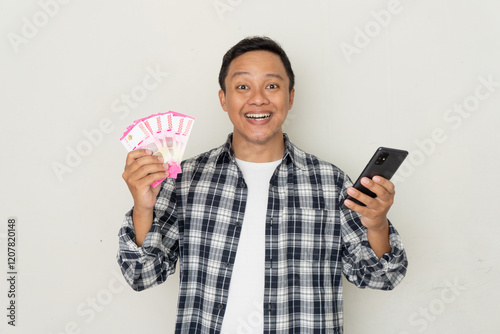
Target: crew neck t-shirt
(244, 311)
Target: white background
(361, 83)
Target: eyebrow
(270, 75)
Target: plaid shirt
(310, 241)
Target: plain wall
(418, 75)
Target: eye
(242, 87)
(272, 86)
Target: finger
(360, 196)
(143, 161)
(374, 207)
(362, 210)
(378, 189)
(380, 204)
(143, 185)
(151, 178)
(388, 185)
(133, 174)
(136, 154)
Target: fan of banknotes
(165, 134)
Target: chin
(263, 138)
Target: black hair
(254, 43)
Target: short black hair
(254, 43)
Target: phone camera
(381, 158)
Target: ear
(222, 99)
(290, 99)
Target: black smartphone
(385, 162)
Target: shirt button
(221, 306)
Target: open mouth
(258, 117)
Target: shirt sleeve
(151, 264)
(361, 266)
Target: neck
(272, 150)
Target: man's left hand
(374, 214)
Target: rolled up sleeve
(361, 266)
(151, 264)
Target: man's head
(255, 44)
(257, 93)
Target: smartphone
(385, 162)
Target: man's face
(257, 97)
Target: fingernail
(160, 158)
(365, 180)
(166, 166)
(351, 191)
(149, 151)
(376, 178)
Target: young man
(257, 223)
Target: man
(257, 223)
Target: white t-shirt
(244, 309)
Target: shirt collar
(292, 153)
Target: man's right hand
(141, 170)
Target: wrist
(382, 227)
(142, 213)
(142, 209)
(378, 239)
(142, 220)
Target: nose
(258, 97)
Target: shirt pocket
(310, 234)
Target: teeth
(258, 116)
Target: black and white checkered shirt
(310, 241)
